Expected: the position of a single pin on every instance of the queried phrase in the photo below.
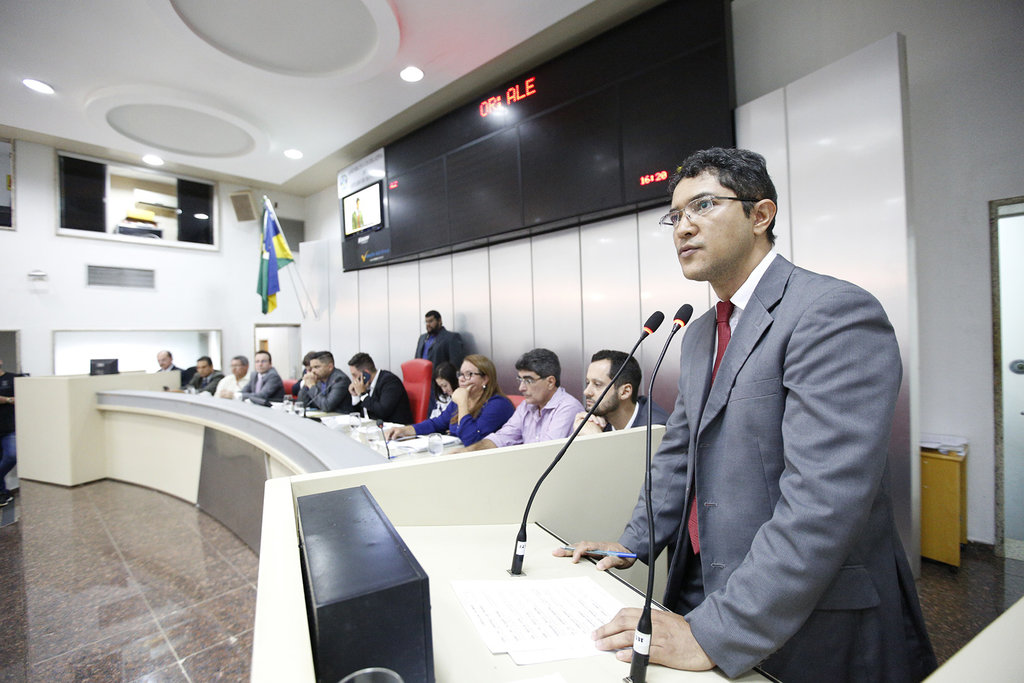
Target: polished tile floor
(959, 602)
(113, 582)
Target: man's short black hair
(265, 353)
(310, 355)
(543, 362)
(204, 358)
(631, 375)
(242, 359)
(742, 171)
(432, 314)
(362, 361)
(324, 357)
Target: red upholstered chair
(417, 376)
(289, 384)
(516, 399)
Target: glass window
(134, 203)
(7, 184)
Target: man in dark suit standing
(771, 483)
(379, 392)
(265, 385)
(438, 344)
(324, 387)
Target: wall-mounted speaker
(244, 205)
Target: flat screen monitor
(103, 366)
(363, 210)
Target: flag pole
(293, 273)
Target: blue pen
(612, 553)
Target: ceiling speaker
(245, 206)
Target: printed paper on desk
(535, 621)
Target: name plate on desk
(367, 597)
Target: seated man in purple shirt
(547, 410)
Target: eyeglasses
(701, 206)
(528, 380)
(469, 375)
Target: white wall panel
(374, 335)
(511, 307)
(663, 288)
(436, 290)
(557, 312)
(344, 308)
(611, 288)
(848, 188)
(314, 266)
(471, 300)
(761, 127)
(404, 314)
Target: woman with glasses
(476, 409)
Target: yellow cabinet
(943, 505)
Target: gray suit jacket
(272, 389)
(804, 573)
(332, 399)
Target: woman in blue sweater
(477, 407)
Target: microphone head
(654, 322)
(380, 422)
(683, 315)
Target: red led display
(516, 93)
(393, 184)
(657, 177)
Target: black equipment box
(367, 597)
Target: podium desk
(485, 552)
(473, 499)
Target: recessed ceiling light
(293, 154)
(201, 216)
(411, 74)
(153, 160)
(38, 86)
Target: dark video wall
(594, 132)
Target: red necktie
(723, 309)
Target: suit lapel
(754, 323)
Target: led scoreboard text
(518, 92)
(649, 178)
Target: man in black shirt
(8, 452)
(379, 392)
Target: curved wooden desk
(212, 452)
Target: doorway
(283, 342)
(1007, 240)
(10, 351)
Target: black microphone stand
(652, 324)
(380, 426)
(642, 634)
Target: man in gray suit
(324, 387)
(265, 385)
(770, 487)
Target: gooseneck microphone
(380, 426)
(652, 324)
(642, 634)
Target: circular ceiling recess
(300, 37)
(176, 129)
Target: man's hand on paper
(672, 642)
(608, 562)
